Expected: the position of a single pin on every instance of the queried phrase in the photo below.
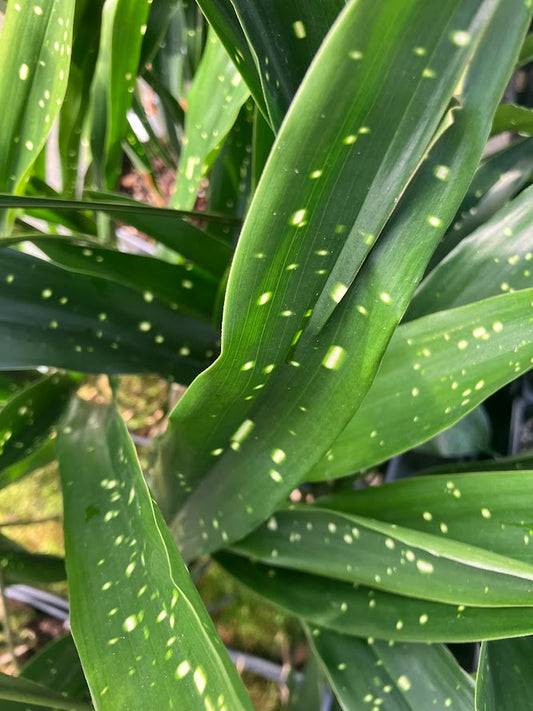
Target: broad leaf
(65, 319)
(300, 310)
(504, 674)
(403, 677)
(144, 638)
(498, 179)
(425, 382)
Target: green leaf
(86, 36)
(504, 674)
(28, 692)
(498, 179)
(284, 38)
(27, 417)
(511, 117)
(303, 320)
(424, 384)
(69, 320)
(114, 80)
(180, 286)
(215, 98)
(200, 247)
(222, 16)
(366, 612)
(130, 593)
(496, 258)
(470, 436)
(403, 677)
(57, 667)
(35, 57)
(526, 53)
(21, 566)
(486, 509)
(358, 549)
(41, 457)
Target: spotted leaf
(365, 611)
(61, 318)
(144, 638)
(215, 98)
(303, 320)
(426, 383)
(404, 677)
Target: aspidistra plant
(344, 341)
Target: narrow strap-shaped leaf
(28, 692)
(181, 286)
(511, 117)
(55, 317)
(166, 226)
(21, 566)
(496, 258)
(526, 53)
(403, 677)
(497, 180)
(215, 99)
(504, 674)
(284, 38)
(424, 384)
(56, 666)
(26, 418)
(144, 638)
(41, 457)
(367, 612)
(272, 380)
(114, 79)
(223, 18)
(86, 36)
(493, 511)
(392, 558)
(35, 57)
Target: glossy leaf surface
(511, 117)
(35, 57)
(367, 612)
(26, 418)
(403, 677)
(28, 692)
(144, 638)
(215, 99)
(435, 370)
(70, 320)
(288, 354)
(393, 558)
(504, 674)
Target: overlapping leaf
(368, 612)
(504, 674)
(35, 58)
(114, 80)
(496, 258)
(288, 355)
(403, 677)
(27, 692)
(388, 557)
(26, 418)
(215, 99)
(60, 318)
(425, 382)
(144, 638)
(511, 117)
